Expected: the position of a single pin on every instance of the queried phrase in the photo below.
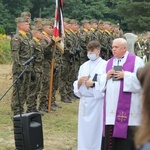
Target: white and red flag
(59, 34)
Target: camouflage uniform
(21, 52)
(27, 15)
(36, 76)
(38, 22)
(45, 88)
(93, 30)
(65, 67)
(85, 35)
(74, 63)
(148, 48)
(138, 48)
(56, 76)
(78, 50)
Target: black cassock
(112, 143)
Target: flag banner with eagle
(59, 34)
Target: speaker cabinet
(28, 133)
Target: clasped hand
(85, 79)
(117, 74)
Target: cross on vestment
(122, 116)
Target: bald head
(119, 47)
(121, 41)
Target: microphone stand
(17, 89)
(16, 82)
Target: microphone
(29, 60)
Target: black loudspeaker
(28, 133)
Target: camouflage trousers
(63, 85)
(71, 78)
(34, 92)
(20, 92)
(45, 85)
(45, 88)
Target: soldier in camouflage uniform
(85, 38)
(35, 84)
(75, 57)
(99, 34)
(27, 15)
(56, 77)
(106, 41)
(93, 30)
(38, 22)
(148, 46)
(57, 56)
(21, 52)
(47, 44)
(138, 47)
(66, 63)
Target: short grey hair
(123, 42)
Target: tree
(73, 9)
(5, 18)
(42, 8)
(95, 9)
(13, 9)
(132, 15)
(136, 15)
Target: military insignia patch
(16, 39)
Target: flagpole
(51, 78)
(59, 43)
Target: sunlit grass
(59, 127)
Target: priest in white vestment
(122, 104)
(86, 87)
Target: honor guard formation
(34, 38)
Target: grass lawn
(59, 127)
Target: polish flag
(59, 34)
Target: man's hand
(82, 80)
(119, 74)
(89, 83)
(110, 73)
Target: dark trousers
(112, 143)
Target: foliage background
(132, 15)
(5, 52)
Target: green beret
(85, 21)
(73, 21)
(67, 20)
(26, 13)
(47, 22)
(21, 19)
(107, 22)
(36, 28)
(101, 22)
(37, 19)
(93, 21)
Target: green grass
(59, 127)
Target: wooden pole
(51, 79)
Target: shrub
(2, 30)
(5, 52)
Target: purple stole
(124, 100)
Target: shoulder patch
(16, 39)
